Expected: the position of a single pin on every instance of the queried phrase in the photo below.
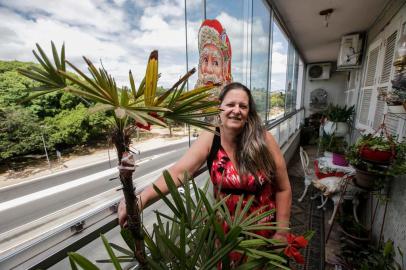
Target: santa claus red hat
(212, 32)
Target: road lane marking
(69, 185)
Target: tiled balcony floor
(305, 215)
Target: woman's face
(235, 108)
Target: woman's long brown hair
(252, 154)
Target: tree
(43, 111)
(73, 127)
(19, 132)
(132, 107)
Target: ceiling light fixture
(326, 13)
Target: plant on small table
(335, 145)
(338, 119)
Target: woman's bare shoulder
(205, 138)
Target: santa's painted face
(212, 65)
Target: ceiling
(315, 41)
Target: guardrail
(76, 233)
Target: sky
(120, 34)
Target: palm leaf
(96, 88)
(128, 238)
(196, 91)
(39, 78)
(124, 98)
(99, 107)
(220, 253)
(110, 251)
(122, 250)
(151, 78)
(82, 261)
(35, 95)
(132, 84)
(184, 78)
(81, 93)
(51, 69)
(56, 57)
(141, 89)
(266, 255)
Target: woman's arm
(190, 162)
(283, 196)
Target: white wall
(394, 221)
(334, 87)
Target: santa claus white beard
(209, 78)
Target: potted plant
(395, 100)
(336, 146)
(376, 160)
(338, 120)
(132, 108)
(377, 149)
(189, 236)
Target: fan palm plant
(192, 236)
(133, 108)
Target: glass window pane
(280, 45)
(260, 55)
(275, 133)
(283, 132)
(234, 17)
(299, 87)
(194, 18)
(295, 80)
(289, 79)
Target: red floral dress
(226, 181)
(224, 175)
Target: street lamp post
(45, 148)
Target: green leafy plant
(336, 113)
(365, 256)
(132, 108)
(192, 237)
(397, 167)
(375, 142)
(333, 144)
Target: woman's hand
(122, 213)
(280, 236)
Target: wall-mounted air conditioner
(320, 71)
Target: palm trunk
(122, 141)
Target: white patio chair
(308, 174)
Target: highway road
(29, 187)
(32, 202)
(95, 249)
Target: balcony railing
(53, 245)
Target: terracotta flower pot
(366, 180)
(339, 159)
(376, 156)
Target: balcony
(275, 44)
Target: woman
(243, 160)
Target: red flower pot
(376, 155)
